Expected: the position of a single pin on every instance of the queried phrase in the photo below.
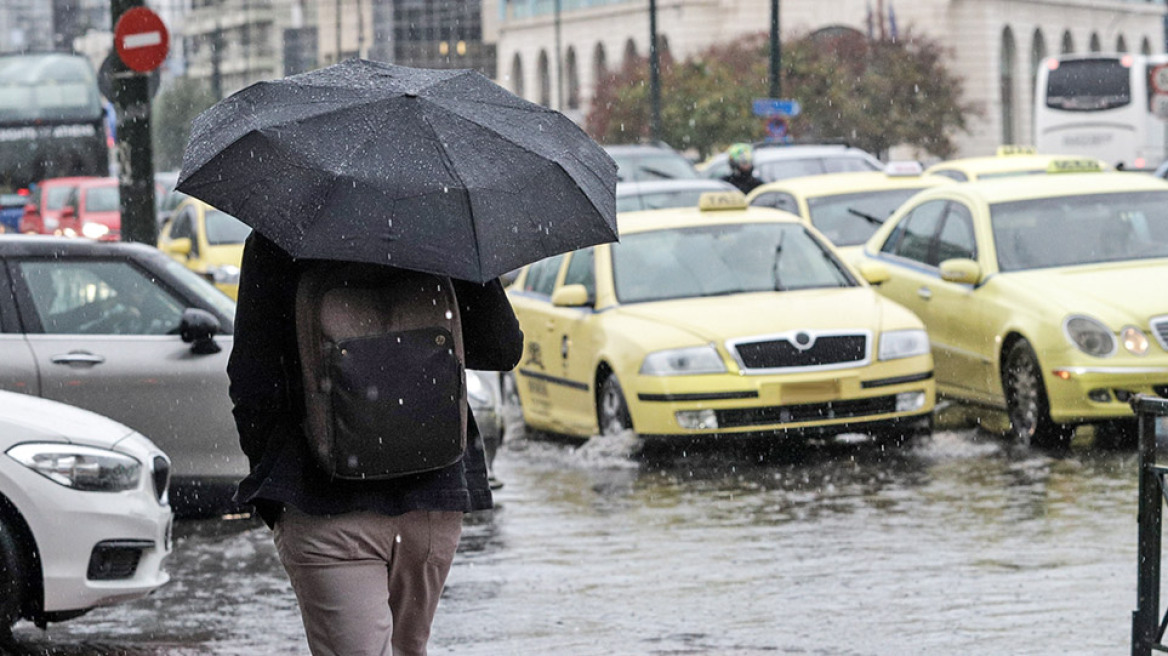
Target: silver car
(125, 331)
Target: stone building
(995, 45)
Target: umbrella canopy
(441, 171)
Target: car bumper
(1091, 393)
(95, 548)
(831, 401)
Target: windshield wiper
(778, 285)
(867, 217)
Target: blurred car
(11, 210)
(846, 207)
(84, 516)
(93, 210)
(773, 162)
(664, 194)
(720, 319)
(1161, 171)
(206, 241)
(639, 162)
(1043, 296)
(42, 214)
(1012, 161)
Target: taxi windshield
(1084, 229)
(722, 259)
(841, 217)
(222, 228)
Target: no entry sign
(141, 39)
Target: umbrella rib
(449, 165)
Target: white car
(774, 162)
(84, 515)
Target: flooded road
(957, 544)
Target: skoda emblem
(802, 341)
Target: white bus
(1100, 105)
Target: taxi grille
(784, 353)
(783, 414)
(1160, 328)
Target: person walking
(742, 168)
(367, 559)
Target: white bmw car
(84, 515)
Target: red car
(93, 210)
(42, 214)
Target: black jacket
(264, 370)
(746, 182)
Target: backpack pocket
(396, 404)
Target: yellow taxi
(1044, 296)
(720, 319)
(1012, 161)
(207, 241)
(846, 207)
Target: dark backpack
(382, 360)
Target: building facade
(995, 45)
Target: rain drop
(401, 401)
(397, 539)
(449, 315)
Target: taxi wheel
(13, 578)
(1026, 400)
(612, 413)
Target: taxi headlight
(896, 344)
(678, 362)
(95, 230)
(224, 275)
(1134, 340)
(78, 467)
(1089, 335)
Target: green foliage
(175, 106)
(872, 94)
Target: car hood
(111, 219)
(25, 418)
(1117, 294)
(718, 318)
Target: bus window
(1089, 85)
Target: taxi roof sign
(903, 168)
(1074, 165)
(712, 201)
(1015, 149)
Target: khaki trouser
(366, 581)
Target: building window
(545, 80)
(1120, 44)
(630, 54)
(517, 75)
(1145, 47)
(599, 65)
(1068, 47)
(1006, 86)
(1037, 54)
(573, 79)
(1095, 45)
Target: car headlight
(477, 393)
(224, 275)
(683, 361)
(1134, 340)
(80, 467)
(896, 344)
(95, 230)
(1089, 335)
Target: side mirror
(570, 296)
(874, 272)
(178, 247)
(198, 328)
(68, 213)
(961, 270)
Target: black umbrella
(440, 171)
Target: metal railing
(1147, 624)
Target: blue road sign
(776, 107)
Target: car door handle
(551, 325)
(925, 293)
(78, 359)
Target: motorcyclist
(742, 168)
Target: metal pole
(337, 8)
(1145, 619)
(135, 156)
(559, 63)
(776, 52)
(654, 76)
